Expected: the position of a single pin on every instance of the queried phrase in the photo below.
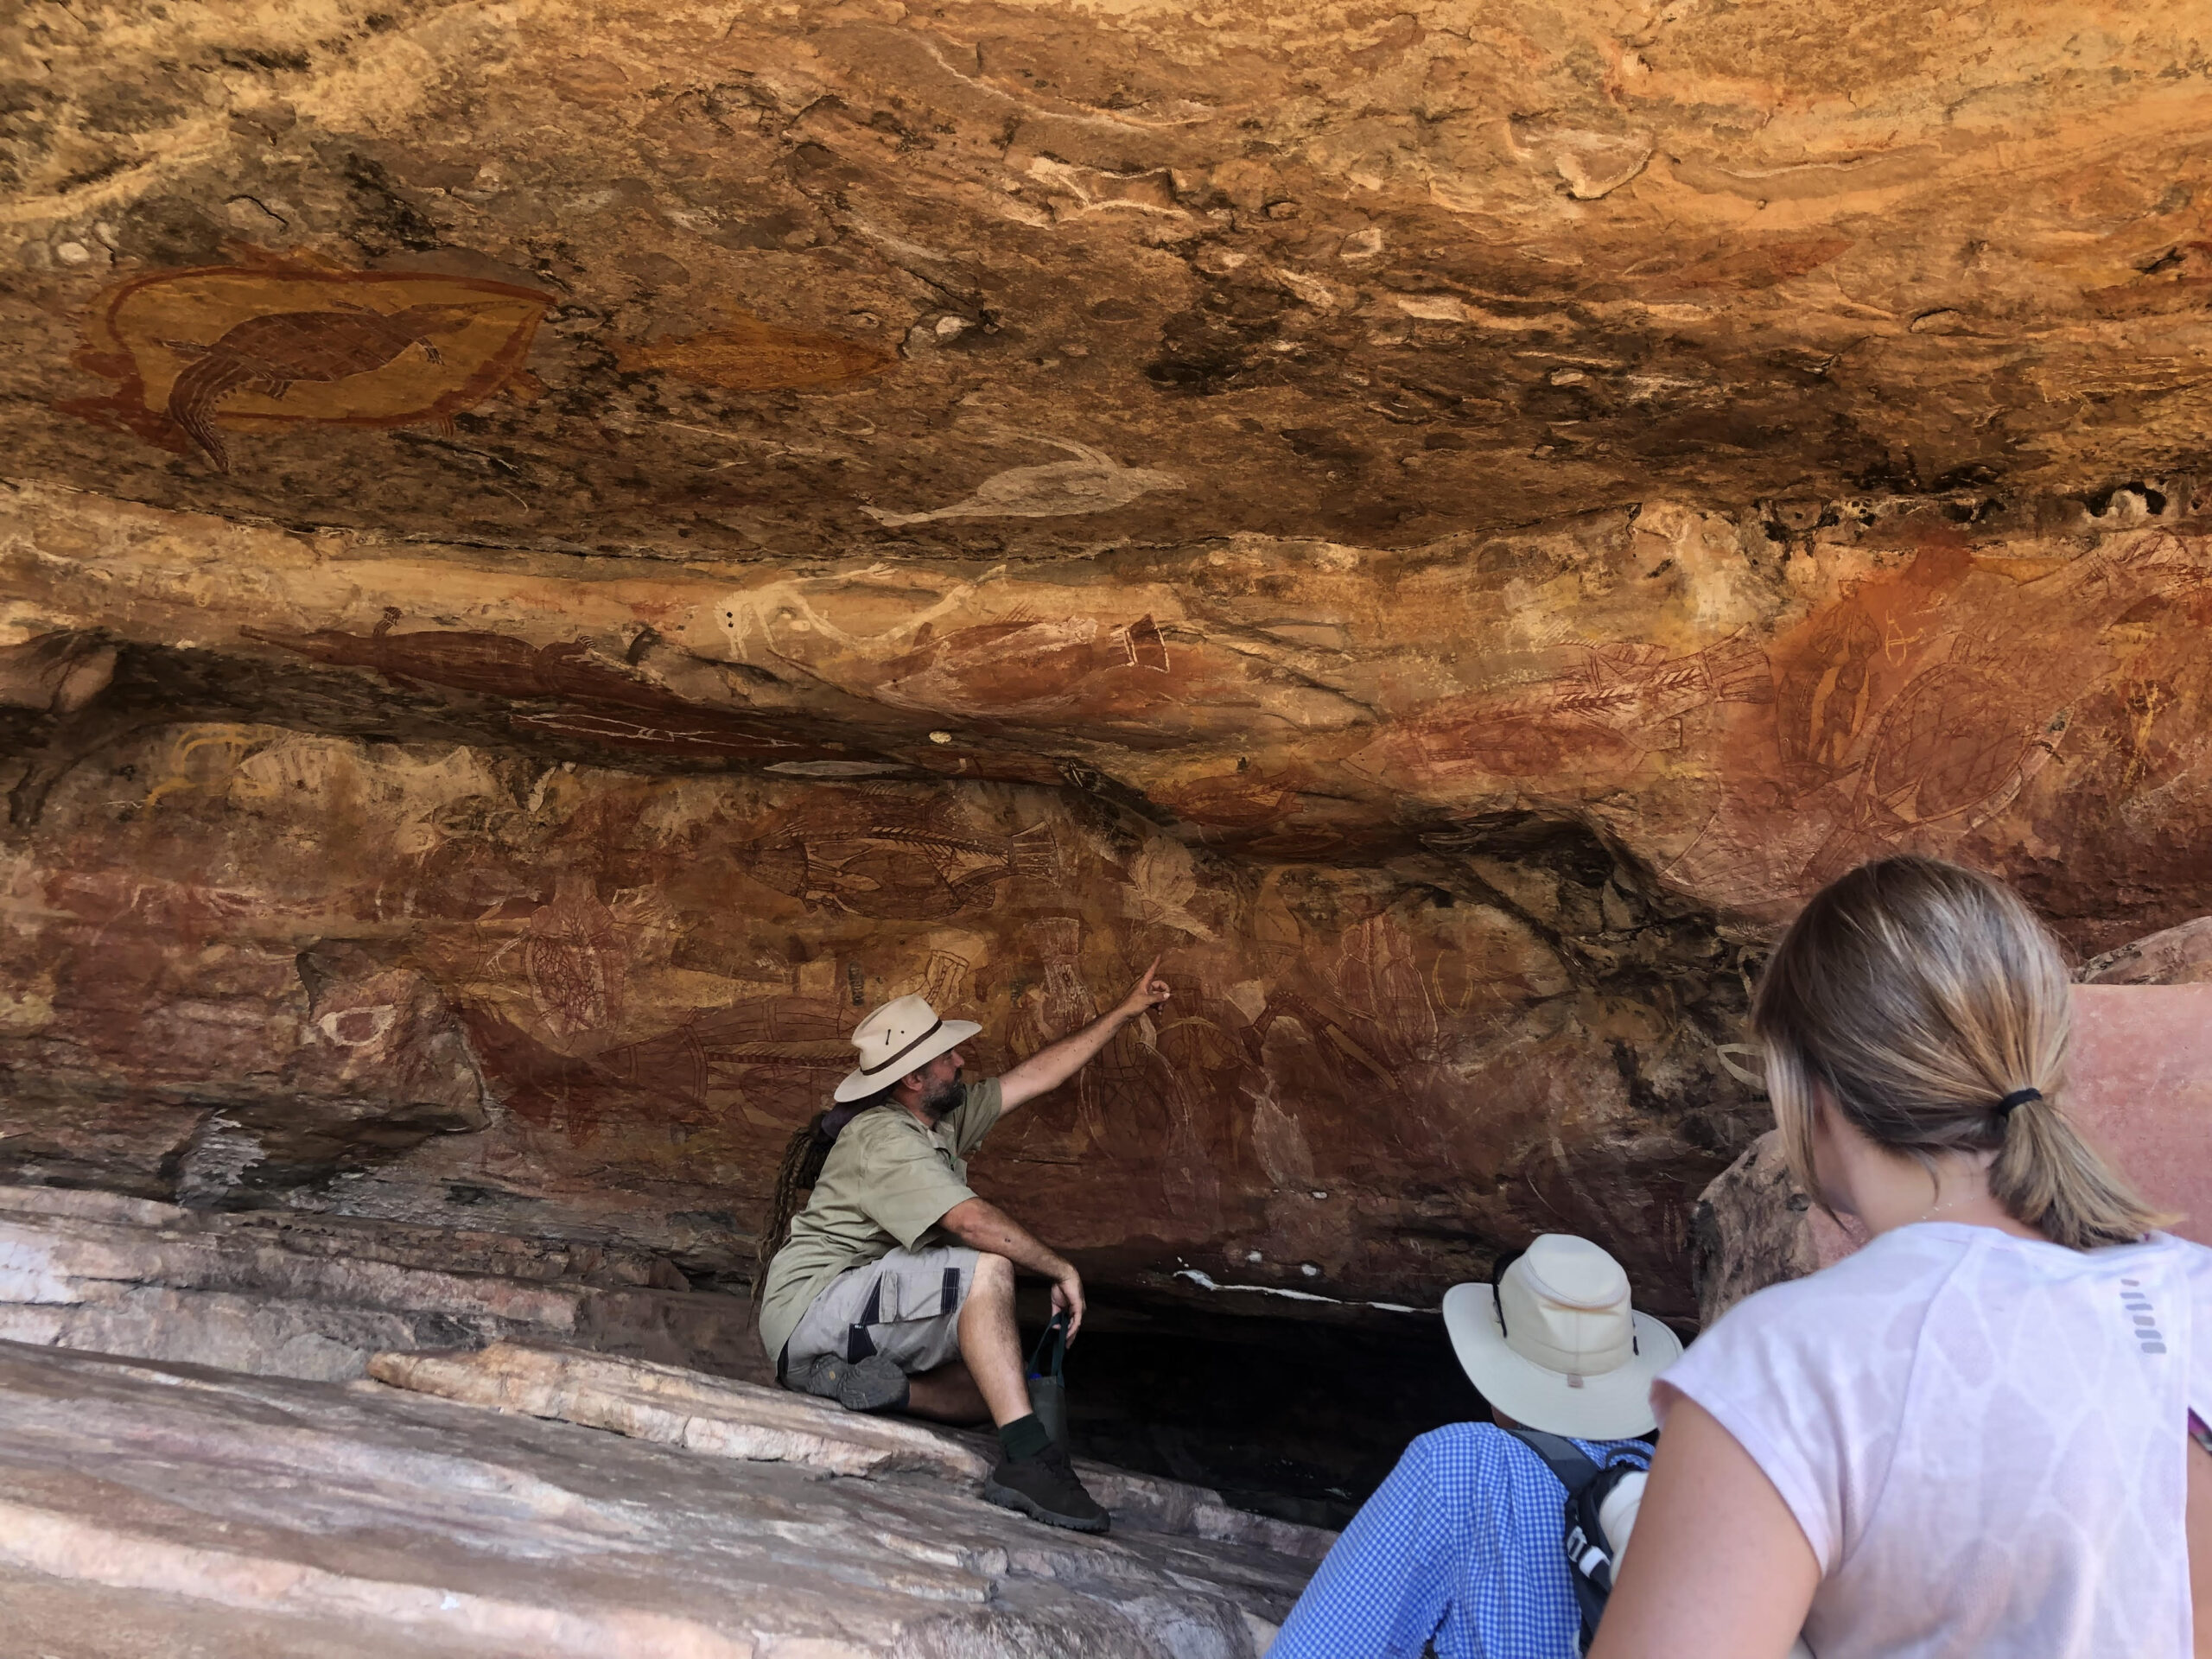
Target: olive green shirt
(887, 1183)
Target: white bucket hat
(1555, 1344)
(903, 1035)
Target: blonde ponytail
(1935, 1010)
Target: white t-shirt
(1983, 1437)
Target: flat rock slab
(240, 1515)
(673, 1406)
(728, 1418)
(289, 1294)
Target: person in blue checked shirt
(1460, 1547)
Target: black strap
(859, 1345)
(1563, 1457)
(885, 1065)
(1051, 1350)
(1498, 1264)
(948, 1299)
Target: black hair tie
(2018, 1097)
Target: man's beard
(944, 1100)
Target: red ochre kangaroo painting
(196, 352)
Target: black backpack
(1590, 1555)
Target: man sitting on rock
(895, 1289)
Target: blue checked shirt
(1461, 1547)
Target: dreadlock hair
(804, 1155)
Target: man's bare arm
(981, 1226)
(1054, 1063)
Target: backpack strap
(1562, 1456)
(1590, 1553)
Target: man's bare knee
(994, 1276)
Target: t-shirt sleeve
(1774, 1374)
(973, 1118)
(909, 1188)
(2197, 1385)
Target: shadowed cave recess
(548, 566)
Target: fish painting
(270, 354)
(750, 355)
(1625, 701)
(897, 871)
(1093, 482)
(200, 352)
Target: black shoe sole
(1007, 1498)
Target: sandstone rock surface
(219, 1513)
(761, 1424)
(284, 1294)
(554, 555)
(982, 281)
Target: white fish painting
(1094, 482)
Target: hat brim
(1616, 1406)
(859, 1086)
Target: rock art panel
(1622, 702)
(1460, 860)
(259, 349)
(1093, 482)
(1918, 708)
(577, 1001)
(747, 354)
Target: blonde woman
(1974, 1436)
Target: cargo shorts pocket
(879, 1307)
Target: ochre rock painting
(747, 354)
(1921, 707)
(657, 979)
(1460, 863)
(200, 352)
(1093, 482)
(1457, 861)
(1227, 271)
(534, 589)
(1623, 702)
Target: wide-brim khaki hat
(1556, 1346)
(901, 1036)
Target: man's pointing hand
(1054, 1063)
(1150, 992)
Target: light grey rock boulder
(218, 1513)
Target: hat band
(885, 1064)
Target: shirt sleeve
(973, 1119)
(1764, 1374)
(908, 1188)
(1382, 1591)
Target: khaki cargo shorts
(905, 1305)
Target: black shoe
(1045, 1489)
(871, 1384)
